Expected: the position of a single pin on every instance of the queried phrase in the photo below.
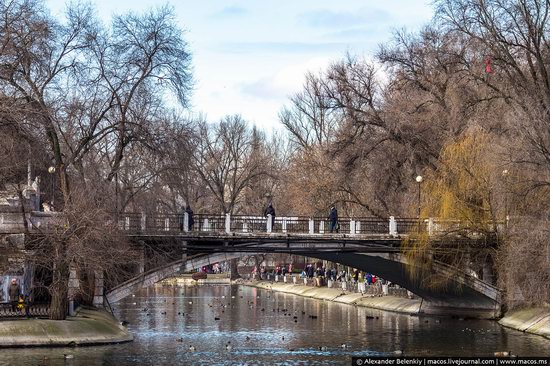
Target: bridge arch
(466, 296)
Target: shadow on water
(231, 325)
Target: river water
(269, 328)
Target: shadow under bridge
(463, 295)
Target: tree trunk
(60, 284)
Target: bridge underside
(463, 296)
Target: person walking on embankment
(333, 218)
(13, 292)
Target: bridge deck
(204, 227)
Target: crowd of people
(332, 274)
(316, 271)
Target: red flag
(488, 69)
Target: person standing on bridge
(333, 218)
(270, 211)
(191, 221)
(182, 218)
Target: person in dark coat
(333, 218)
(270, 211)
(190, 215)
(310, 271)
(13, 292)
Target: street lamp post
(505, 177)
(116, 195)
(51, 170)
(419, 181)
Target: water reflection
(264, 327)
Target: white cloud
(338, 19)
(286, 81)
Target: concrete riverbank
(388, 303)
(529, 320)
(88, 327)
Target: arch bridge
(369, 244)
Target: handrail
(39, 309)
(142, 223)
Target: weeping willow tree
(465, 195)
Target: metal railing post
(393, 226)
(167, 224)
(284, 224)
(269, 224)
(430, 226)
(143, 221)
(351, 226)
(227, 223)
(311, 226)
(321, 227)
(186, 221)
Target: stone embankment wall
(388, 302)
(88, 327)
(530, 320)
(347, 286)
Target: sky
(250, 56)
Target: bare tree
(84, 86)
(310, 120)
(87, 236)
(228, 159)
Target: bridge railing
(130, 222)
(163, 223)
(293, 224)
(371, 225)
(35, 310)
(248, 224)
(407, 225)
(207, 223)
(176, 224)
